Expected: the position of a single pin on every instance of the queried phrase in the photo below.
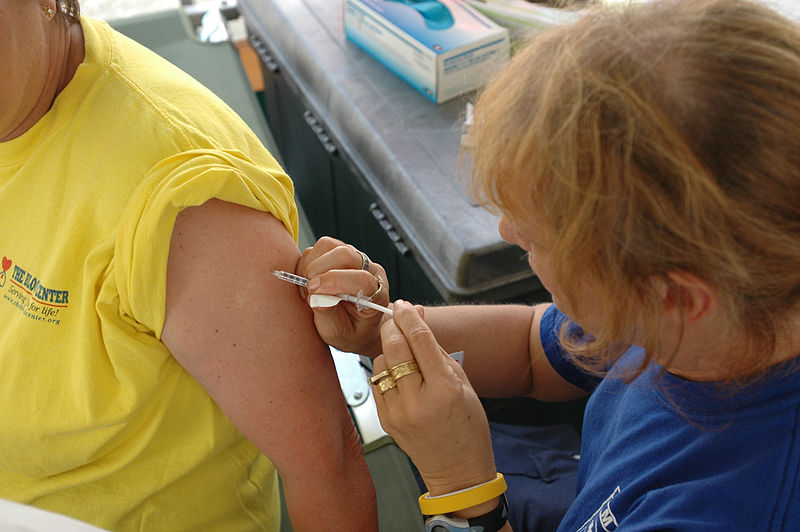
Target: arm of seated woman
(250, 342)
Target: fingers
(322, 246)
(337, 281)
(399, 358)
(378, 368)
(329, 253)
(422, 345)
(334, 267)
(411, 355)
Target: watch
(491, 522)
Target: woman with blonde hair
(648, 159)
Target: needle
(323, 301)
(290, 277)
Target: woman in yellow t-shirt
(153, 377)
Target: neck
(731, 357)
(66, 54)
(75, 52)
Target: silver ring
(365, 262)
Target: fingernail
(313, 284)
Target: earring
(48, 11)
(69, 9)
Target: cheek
(505, 230)
(508, 234)
(543, 272)
(539, 262)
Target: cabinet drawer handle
(320, 133)
(263, 53)
(387, 226)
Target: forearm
(338, 496)
(503, 354)
(326, 481)
(496, 344)
(451, 444)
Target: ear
(688, 293)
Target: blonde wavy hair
(656, 138)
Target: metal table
(403, 150)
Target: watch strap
(490, 522)
(494, 520)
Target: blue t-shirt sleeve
(561, 361)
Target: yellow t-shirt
(98, 421)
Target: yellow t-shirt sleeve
(184, 180)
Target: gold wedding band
(401, 370)
(380, 287)
(383, 380)
(365, 262)
(386, 384)
(378, 376)
(387, 379)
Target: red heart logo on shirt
(6, 263)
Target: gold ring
(380, 287)
(401, 370)
(386, 384)
(378, 376)
(365, 262)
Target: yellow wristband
(461, 499)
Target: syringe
(323, 300)
(290, 277)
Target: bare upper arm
(548, 384)
(249, 339)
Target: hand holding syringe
(321, 300)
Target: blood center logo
(30, 295)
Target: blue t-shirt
(663, 453)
